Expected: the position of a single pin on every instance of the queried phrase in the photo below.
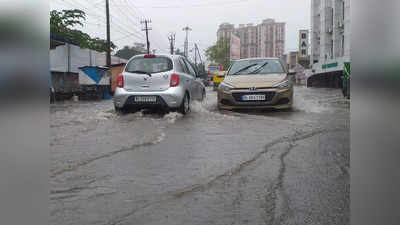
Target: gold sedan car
(256, 83)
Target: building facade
(292, 59)
(303, 44)
(330, 35)
(303, 57)
(248, 40)
(225, 30)
(263, 40)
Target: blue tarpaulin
(96, 73)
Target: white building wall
(328, 24)
(315, 36)
(59, 59)
(263, 40)
(78, 57)
(347, 31)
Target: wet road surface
(209, 167)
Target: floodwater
(208, 167)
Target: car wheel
(119, 110)
(203, 95)
(184, 108)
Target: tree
(219, 53)
(127, 52)
(62, 24)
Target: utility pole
(108, 60)
(198, 52)
(146, 28)
(171, 39)
(186, 50)
(195, 55)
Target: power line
(137, 11)
(127, 3)
(95, 17)
(114, 22)
(123, 12)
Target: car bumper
(282, 99)
(172, 98)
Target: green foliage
(219, 53)
(127, 52)
(62, 24)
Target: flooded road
(208, 167)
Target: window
(191, 70)
(271, 66)
(303, 36)
(150, 65)
(303, 52)
(178, 66)
(185, 69)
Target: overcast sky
(203, 16)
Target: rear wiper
(245, 68)
(139, 71)
(259, 68)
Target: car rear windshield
(256, 66)
(213, 69)
(150, 65)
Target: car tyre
(119, 110)
(203, 95)
(184, 108)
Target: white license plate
(145, 99)
(253, 97)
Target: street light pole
(186, 49)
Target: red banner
(235, 47)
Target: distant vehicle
(218, 77)
(168, 82)
(212, 68)
(256, 83)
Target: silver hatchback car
(169, 82)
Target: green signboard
(330, 65)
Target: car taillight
(174, 80)
(120, 81)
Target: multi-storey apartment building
(271, 38)
(330, 35)
(263, 40)
(248, 40)
(225, 30)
